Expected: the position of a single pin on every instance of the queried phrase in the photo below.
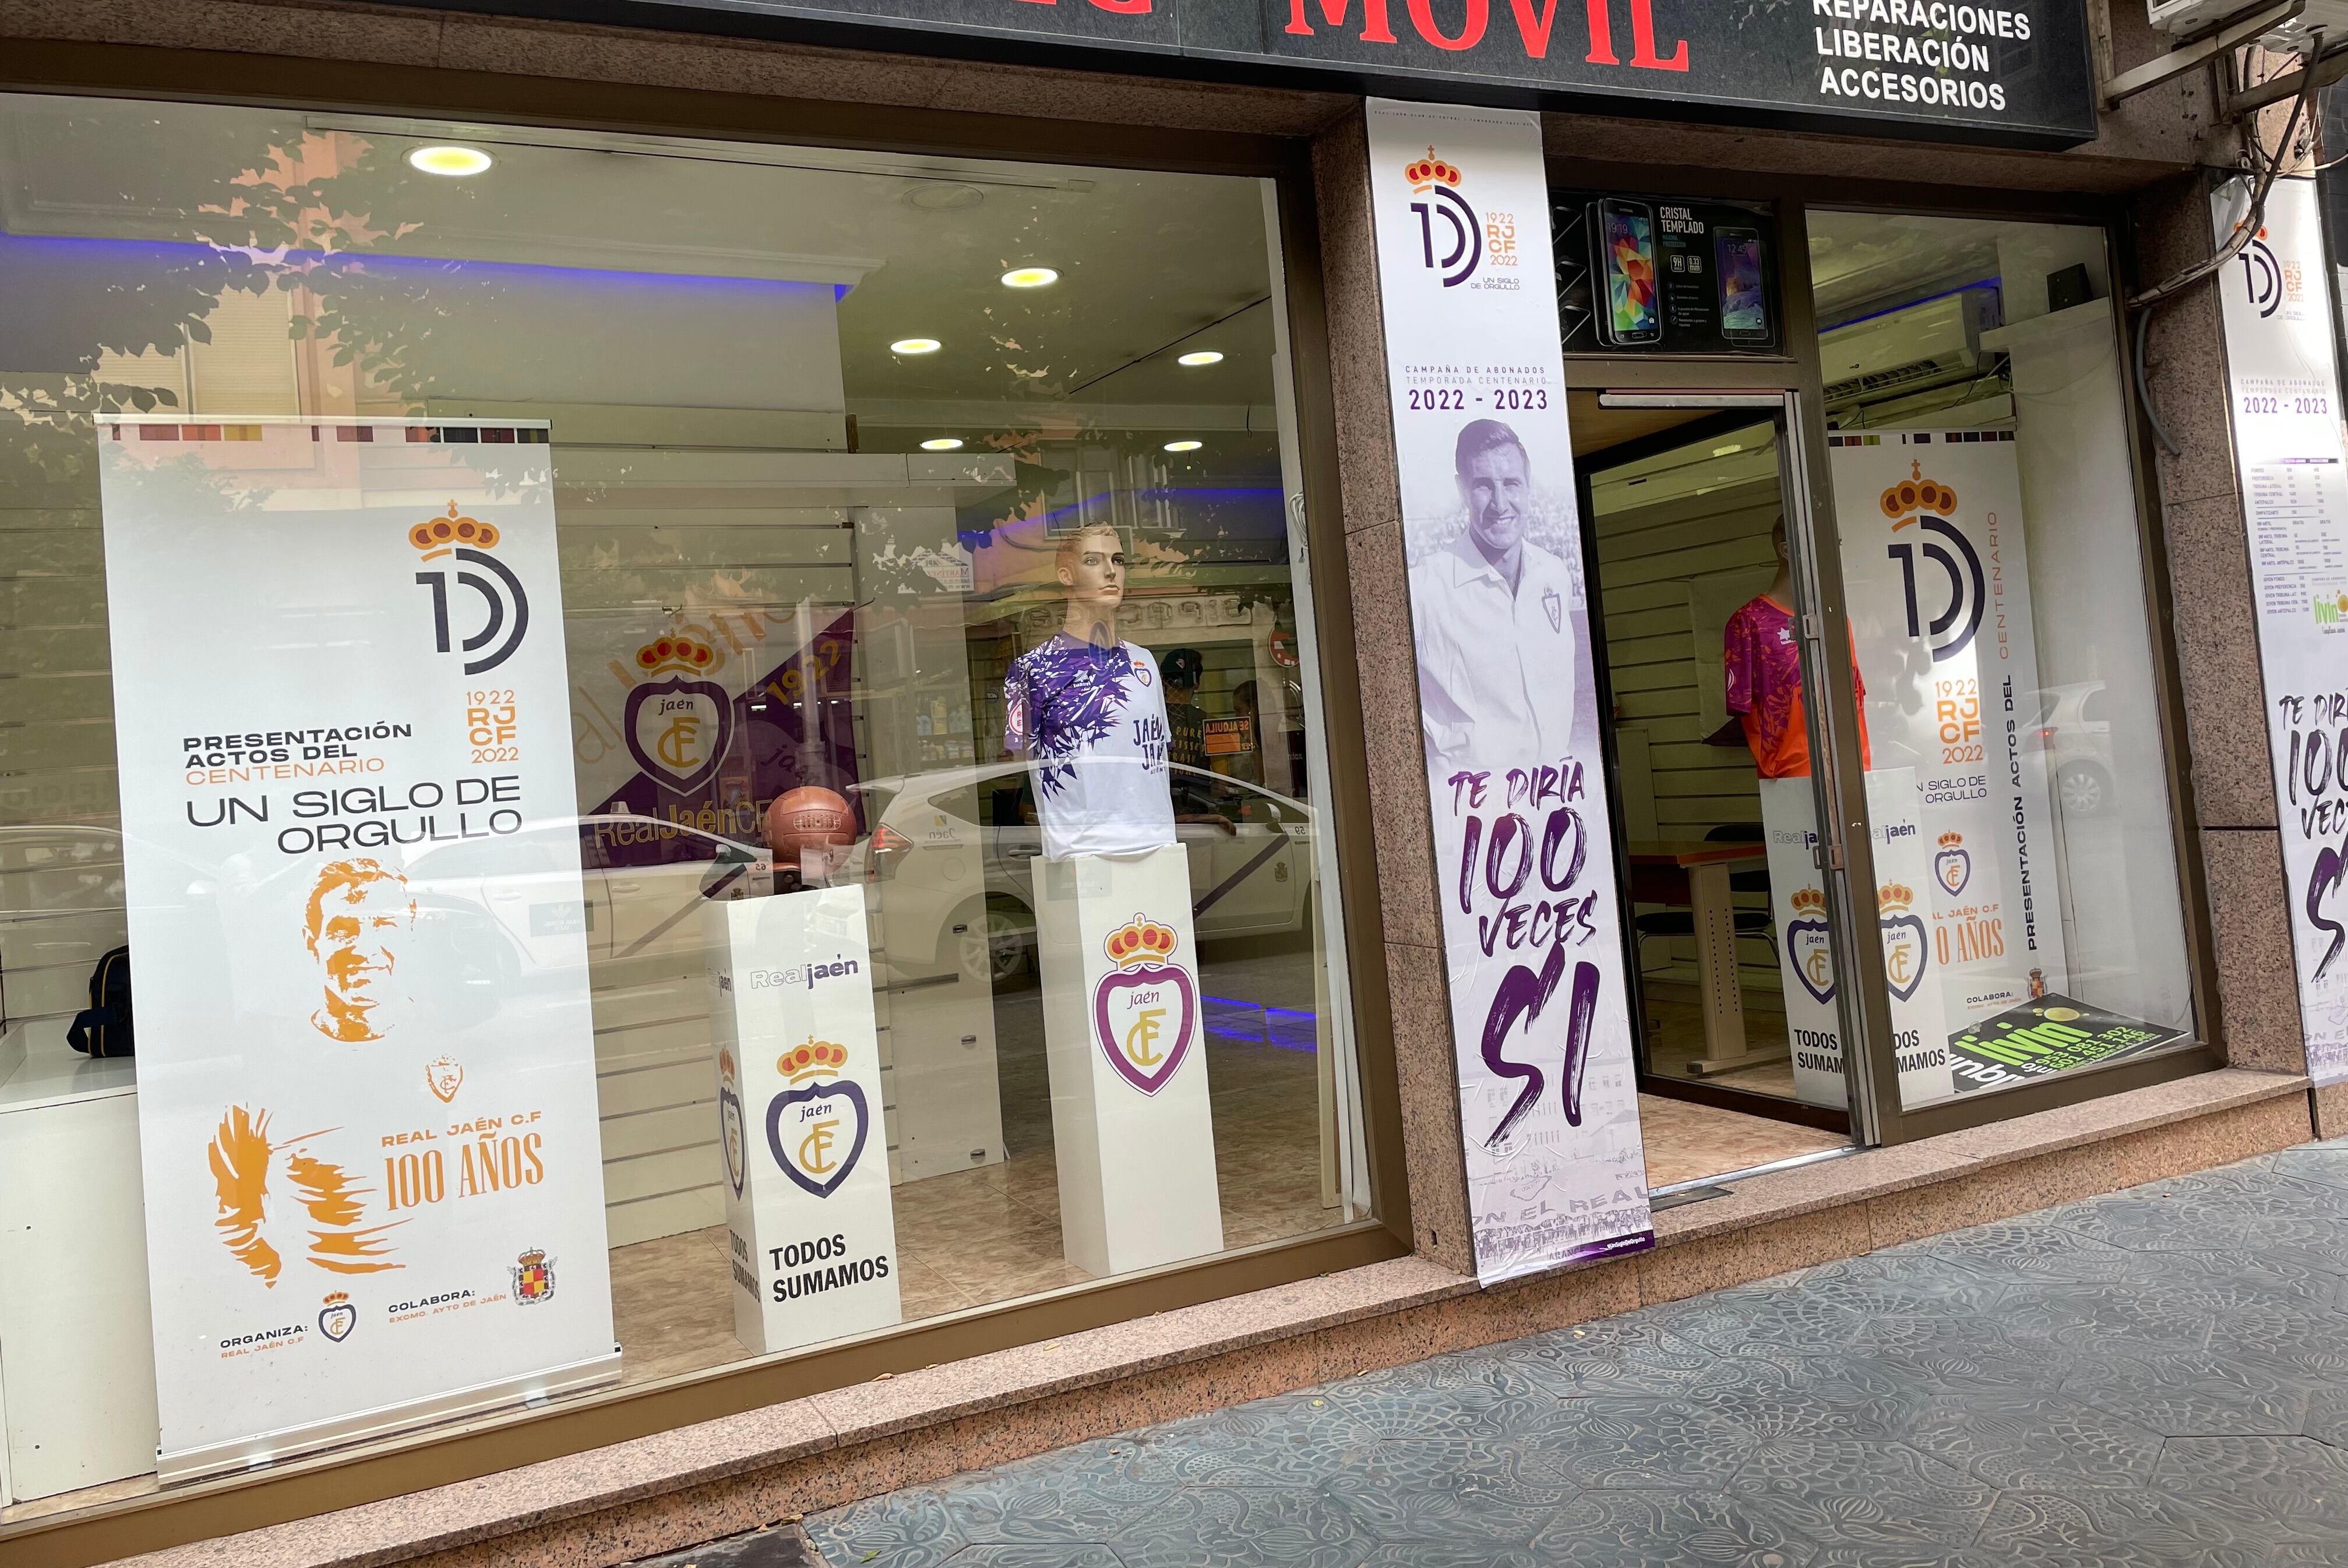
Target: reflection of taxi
(949, 852)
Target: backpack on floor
(103, 1029)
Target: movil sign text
(1533, 27)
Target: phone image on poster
(1626, 260)
(1744, 298)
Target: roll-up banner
(2284, 390)
(1531, 928)
(1939, 585)
(366, 1081)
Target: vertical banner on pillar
(367, 1095)
(1531, 934)
(1940, 596)
(2284, 391)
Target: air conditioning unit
(1911, 349)
(2331, 16)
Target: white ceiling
(1149, 263)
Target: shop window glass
(944, 506)
(1992, 555)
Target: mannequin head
(1091, 567)
(1496, 484)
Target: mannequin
(1766, 706)
(1132, 1129)
(1088, 711)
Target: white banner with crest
(366, 1078)
(2284, 391)
(1532, 928)
(1938, 587)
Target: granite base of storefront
(695, 1483)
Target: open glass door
(1695, 522)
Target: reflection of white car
(949, 852)
(2074, 732)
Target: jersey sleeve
(1018, 709)
(1740, 660)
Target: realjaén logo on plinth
(1144, 1012)
(1810, 943)
(729, 1123)
(1907, 951)
(817, 1129)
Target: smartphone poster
(1647, 274)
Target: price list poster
(2284, 392)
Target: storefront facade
(1172, 776)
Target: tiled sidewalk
(2155, 1377)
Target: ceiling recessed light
(1725, 451)
(1203, 356)
(1184, 445)
(457, 162)
(915, 345)
(1029, 278)
(942, 443)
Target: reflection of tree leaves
(248, 217)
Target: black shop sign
(2010, 72)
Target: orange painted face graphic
(360, 916)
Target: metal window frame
(1877, 1117)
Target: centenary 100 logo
(1926, 504)
(2262, 277)
(1444, 218)
(507, 616)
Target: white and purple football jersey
(1091, 721)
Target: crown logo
(1431, 170)
(816, 1059)
(1893, 895)
(675, 653)
(1918, 494)
(1951, 840)
(437, 536)
(1808, 901)
(336, 1297)
(1141, 940)
(531, 1258)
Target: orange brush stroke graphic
(240, 1161)
(240, 1157)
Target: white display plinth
(1805, 956)
(810, 1219)
(1123, 1034)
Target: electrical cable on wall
(2244, 231)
